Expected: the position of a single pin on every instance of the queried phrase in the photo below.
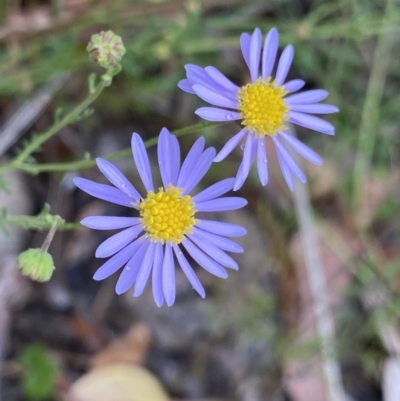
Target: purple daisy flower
(262, 107)
(167, 222)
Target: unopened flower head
(167, 221)
(106, 49)
(36, 264)
(264, 106)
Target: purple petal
(118, 241)
(294, 85)
(190, 161)
(230, 145)
(217, 76)
(129, 274)
(287, 175)
(168, 276)
(221, 204)
(311, 122)
(212, 192)
(302, 149)
(126, 280)
(213, 114)
(145, 270)
(255, 53)
(262, 162)
(188, 271)
(117, 261)
(221, 242)
(248, 157)
(289, 160)
(186, 86)
(198, 75)
(245, 46)
(269, 53)
(109, 222)
(164, 153)
(284, 64)
(306, 97)
(168, 158)
(315, 108)
(142, 161)
(215, 253)
(157, 282)
(175, 159)
(200, 169)
(214, 98)
(221, 228)
(104, 192)
(203, 260)
(117, 178)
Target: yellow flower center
(167, 215)
(262, 107)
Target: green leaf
(3, 186)
(3, 217)
(39, 372)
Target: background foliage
(250, 326)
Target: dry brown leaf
(131, 348)
(323, 179)
(305, 381)
(373, 192)
(39, 18)
(87, 330)
(117, 383)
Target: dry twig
(319, 291)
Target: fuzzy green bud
(106, 49)
(36, 264)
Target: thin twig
(50, 234)
(319, 292)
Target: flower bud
(106, 49)
(36, 264)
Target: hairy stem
(71, 117)
(39, 223)
(87, 163)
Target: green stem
(50, 235)
(68, 119)
(42, 223)
(370, 113)
(87, 163)
(38, 223)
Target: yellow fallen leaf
(117, 383)
(130, 348)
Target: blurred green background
(254, 323)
